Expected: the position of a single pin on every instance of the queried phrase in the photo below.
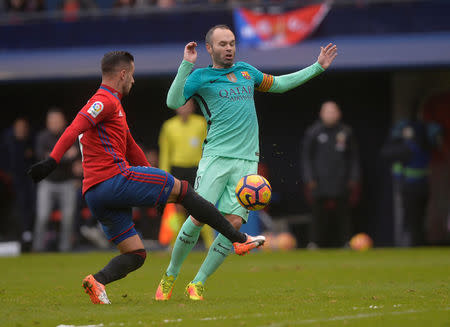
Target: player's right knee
(138, 258)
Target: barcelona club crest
(246, 75)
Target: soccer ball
(361, 242)
(253, 192)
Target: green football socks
(217, 253)
(186, 240)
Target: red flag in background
(278, 30)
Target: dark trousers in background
(331, 224)
(64, 196)
(414, 203)
(24, 210)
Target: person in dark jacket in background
(17, 145)
(331, 174)
(409, 148)
(58, 190)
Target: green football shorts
(216, 181)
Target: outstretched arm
(284, 83)
(175, 96)
(43, 168)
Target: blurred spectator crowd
(72, 6)
(29, 6)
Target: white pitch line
(311, 321)
(349, 317)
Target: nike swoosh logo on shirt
(187, 234)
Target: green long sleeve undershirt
(281, 84)
(287, 82)
(175, 96)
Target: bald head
(330, 114)
(221, 45)
(209, 34)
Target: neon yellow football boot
(165, 288)
(195, 291)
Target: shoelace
(200, 289)
(167, 284)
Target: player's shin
(217, 253)
(205, 212)
(186, 240)
(121, 266)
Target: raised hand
(190, 54)
(327, 55)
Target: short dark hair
(330, 100)
(211, 31)
(113, 59)
(24, 118)
(55, 109)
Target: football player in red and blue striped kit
(117, 177)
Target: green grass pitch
(380, 287)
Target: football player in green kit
(224, 92)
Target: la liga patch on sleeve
(95, 109)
